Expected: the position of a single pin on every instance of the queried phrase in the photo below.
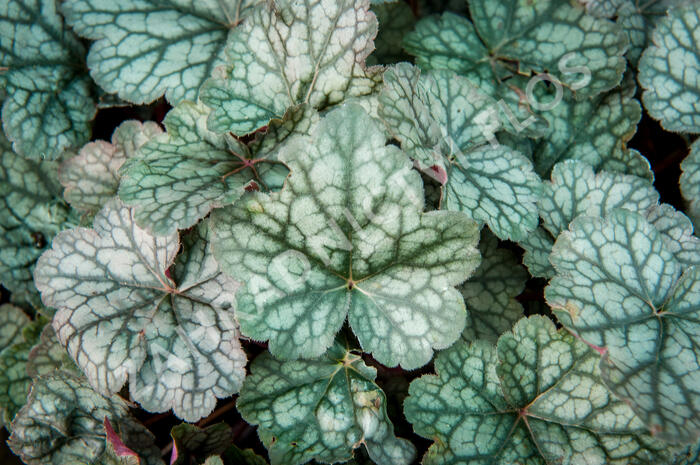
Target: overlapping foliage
(343, 192)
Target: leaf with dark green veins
(63, 423)
(636, 17)
(31, 213)
(50, 99)
(690, 182)
(346, 237)
(91, 177)
(619, 287)
(537, 399)
(128, 308)
(287, 53)
(178, 177)
(192, 444)
(576, 190)
(320, 409)
(442, 121)
(490, 293)
(677, 232)
(144, 49)
(593, 130)
(669, 70)
(515, 36)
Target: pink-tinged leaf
(120, 448)
(439, 174)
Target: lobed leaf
(289, 53)
(320, 409)
(192, 444)
(128, 308)
(548, 36)
(177, 178)
(537, 399)
(346, 237)
(145, 49)
(619, 287)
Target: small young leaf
(346, 238)
(690, 182)
(620, 288)
(287, 53)
(490, 293)
(320, 409)
(177, 178)
(192, 444)
(120, 314)
(669, 71)
(442, 122)
(144, 49)
(63, 423)
(50, 98)
(536, 399)
(91, 177)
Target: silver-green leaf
(536, 399)
(144, 49)
(50, 103)
(321, 409)
(128, 308)
(287, 53)
(619, 287)
(346, 237)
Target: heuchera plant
(350, 231)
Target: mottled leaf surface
(63, 422)
(49, 100)
(535, 399)
(594, 130)
(288, 53)
(576, 190)
(175, 179)
(320, 409)
(516, 36)
(346, 238)
(144, 49)
(128, 308)
(669, 70)
(490, 292)
(443, 121)
(91, 177)
(12, 320)
(31, 213)
(620, 288)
